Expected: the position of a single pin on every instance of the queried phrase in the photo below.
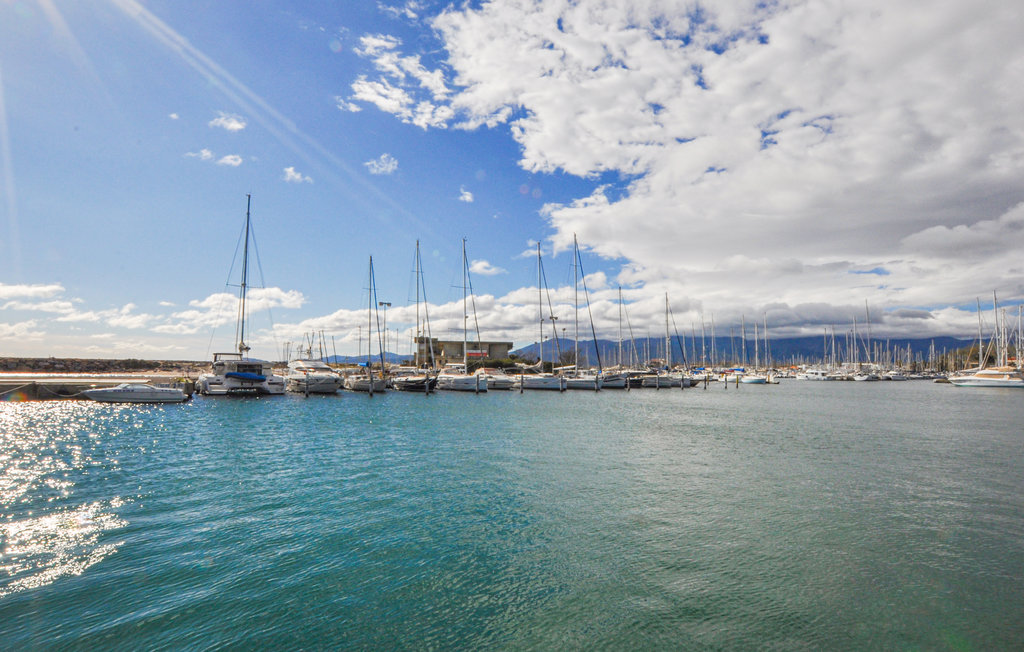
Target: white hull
(362, 384)
(593, 383)
(132, 393)
(312, 377)
(995, 377)
(458, 383)
(313, 384)
(613, 381)
(661, 381)
(754, 380)
(533, 381)
(221, 385)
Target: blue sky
(794, 160)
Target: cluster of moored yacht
(237, 374)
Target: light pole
(385, 305)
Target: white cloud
(173, 116)
(37, 291)
(484, 268)
(234, 160)
(465, 195)
(385, 164)
(291, 176)
(19, 331)
(764, 152)
(202, 155)
(228, 122)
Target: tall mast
(540, 312)
(668, 339)
(242, 347)
(576, 301)
(416, 332)
(979, 332)
(620, 329)
(465, 311)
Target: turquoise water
(798, 516)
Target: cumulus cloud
(228, 122)
(385, 164)
(233, 160)
(203, 154)
(750, 152)
(291, 176)
(465, 195)
(36, 291)
(484, 268)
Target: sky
(803, 164)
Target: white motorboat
(496, 378)
(136, 393)
(540, 381)
(990, 377)
(234, 373)
(754, 379)
(613, 381)
(365, 383)
(312, 377)
(589, 381)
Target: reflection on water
(46, 448)
(38, 551)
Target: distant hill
(795, 350)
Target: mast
(243, 348)
(621, 367)
(668, 339)
(576, 301)
(540, 312)
(979, 331)
(416, 332)
(465, 311)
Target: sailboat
(578, 379)
(235, 374)
(541, 380)
(366, 381)
(454, 377)
(420, 380)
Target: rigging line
(376, 312)
(632, 339)
(551, 313)
(263, 286)
(472, 299)
(679, 340)
(593, 332)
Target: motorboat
(362, 382)
(990, 377)
(548, 382)
(414, 383)
(496, 378)
(136, 393)
(584, 380)
(454, 379)
(312, 377)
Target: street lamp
(385, 305)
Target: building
(451, 351)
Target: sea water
(798, 516)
